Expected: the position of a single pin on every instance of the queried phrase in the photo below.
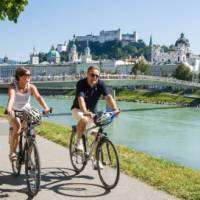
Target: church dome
(53, 53)
(182, 40)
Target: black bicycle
(27, 152)
(99, 149)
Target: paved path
(59, 180)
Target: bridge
(61, 83)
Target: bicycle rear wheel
(107, 155)
(77, 157)
(32, 169)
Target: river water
(162, 131)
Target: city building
(62, 47)
(73, 54)
(86, 57)
(180, 53)
(34, 57)
(53, 56)
(109, 36)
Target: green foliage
(2, 109)
(63, 56)
(149, 96)
(11, 9)
(182, 72)
(112, 49)
(42, 57)
(141, 67)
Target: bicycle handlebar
(43, 112)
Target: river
(162, 131)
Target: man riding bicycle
(88, 92)
(19, 95)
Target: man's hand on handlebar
(117, 111)
(89, 114)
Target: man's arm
(83, 107)
(82, 104)
(111, 102)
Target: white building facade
(34, 57)
(180, 54)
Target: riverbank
(165, 175)
(158, 97)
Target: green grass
(149, 96)
(2, 109)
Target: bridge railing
(106, 77)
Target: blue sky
(47, 22)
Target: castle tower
(73, 55)
(34, 57)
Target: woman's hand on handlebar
(47, 111)
(7, 112)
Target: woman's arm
(11, 98)
(39, 98)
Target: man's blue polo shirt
(90, 94)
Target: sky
(48, 22)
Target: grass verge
(149, 96)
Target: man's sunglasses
(94, 75)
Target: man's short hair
(93, 67)
(21, 71)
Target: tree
(42, 57)
(141, 67)
(183, 72)
(12, 9)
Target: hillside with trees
(114, 49)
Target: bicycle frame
(25, 133)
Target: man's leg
(80, 129)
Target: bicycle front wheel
(77, 157)
(108, 164)
(32, 169)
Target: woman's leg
(14, 138)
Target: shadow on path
(54, 179)
(7, 178)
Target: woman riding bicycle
(19, 95)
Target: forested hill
(114, 49)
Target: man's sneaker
(95, 166)
(79, 145)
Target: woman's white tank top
(21, 99)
